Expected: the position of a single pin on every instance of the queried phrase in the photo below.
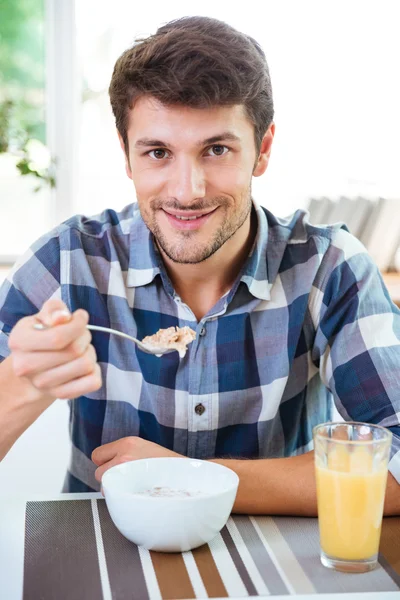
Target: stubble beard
(185, 252)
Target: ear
(127, 165)
(265, 151)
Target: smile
(188, 222)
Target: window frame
(62, 97)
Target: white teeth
(186, 218)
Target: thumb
(54, 312)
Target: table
(67, 548)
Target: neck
(201, 285)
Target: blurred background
(335, 75)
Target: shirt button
(202, 331)
(199, 409)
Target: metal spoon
(145, 347)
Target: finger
(118, 460)
(54, 311)
(25, 338)
(78, 387)
(27, 364)
(84, 365)
(106, 452)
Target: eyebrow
(227, 136)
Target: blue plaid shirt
(308, 319)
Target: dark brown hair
(198, 62)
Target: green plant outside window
(22, 88)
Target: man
(286, 314)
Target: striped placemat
(73, 550)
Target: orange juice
(350, 504)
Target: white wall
(38, 460)
(334, 67)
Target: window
(25, 213)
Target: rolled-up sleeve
(357, 342)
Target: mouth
(188, 220)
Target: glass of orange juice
(351, 462)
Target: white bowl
(170, 524)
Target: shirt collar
(144, 258)
(255, 272)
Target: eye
(218, 150)
(158, 153)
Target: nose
(186, 181)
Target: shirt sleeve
(34, 279)
(357, 343)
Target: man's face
(192, 171)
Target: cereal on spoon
(176, 338)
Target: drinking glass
(351, 462)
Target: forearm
(278, 486)
(20, 406)
(286, 486)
